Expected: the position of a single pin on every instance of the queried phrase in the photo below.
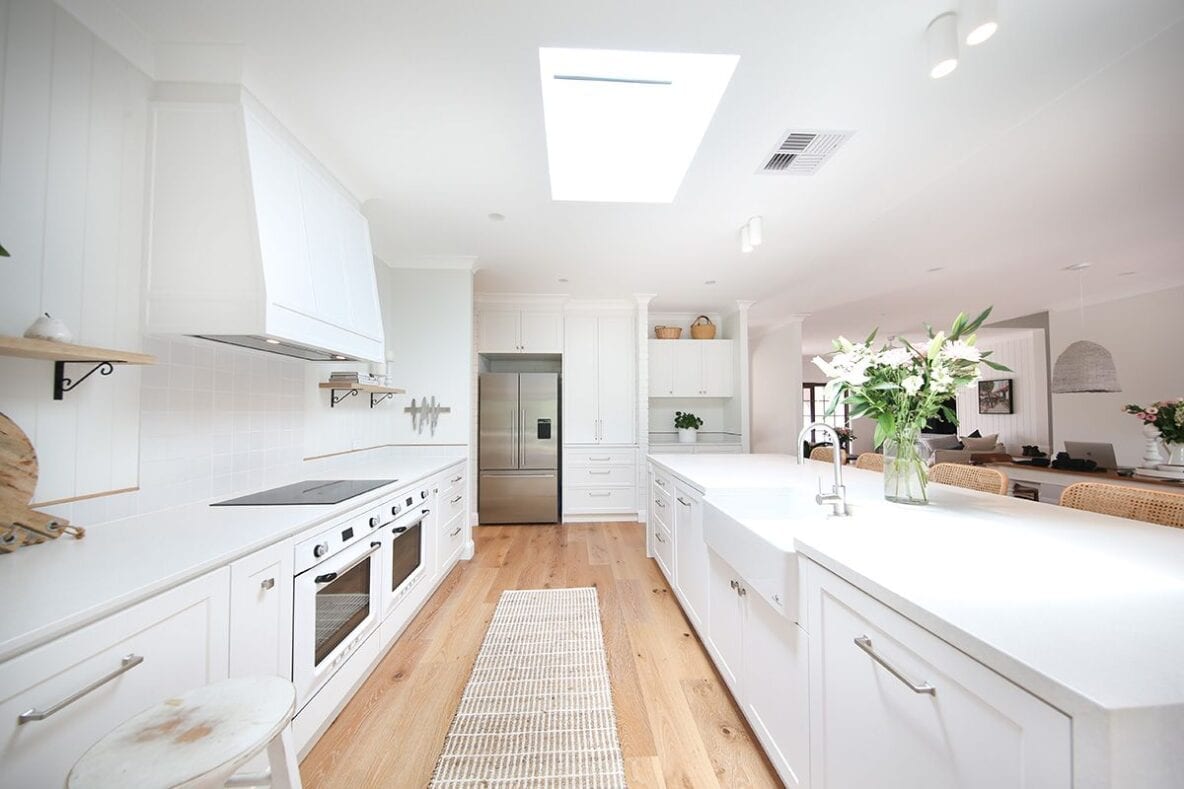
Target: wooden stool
(198, 740)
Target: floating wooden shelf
(61, 353)
(351, 390)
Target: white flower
(894, 357)
(825, 367)
(912, 384)
(958, 349)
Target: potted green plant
(688, 427)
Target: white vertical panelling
(1024, 354)
(73, 134)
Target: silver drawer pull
(599, 460)
(660, 482)
(659, 503)
(268, 584)
(734, 584)
(599, 473)
(660, 537)
(127, 664)
(455, 532)
(865, 643)
(455, 480)
(600, 495)
(454, 501)
(683, 503)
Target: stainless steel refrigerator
(518, 448)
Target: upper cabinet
(252, 241)
(520, 331)
(692, 368)
(599, 362)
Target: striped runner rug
(537, 710)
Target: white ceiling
(1059, 140)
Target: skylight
(622, 127)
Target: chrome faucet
(837, 498)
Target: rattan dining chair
(871, 461)
(825, 454)
(1139, 504)
(988, 480)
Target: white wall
(776, 369)
(1144, 335)
(1023, 352)
(73, 135)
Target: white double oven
(348, 578)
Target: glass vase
(905, 472)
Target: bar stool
(198, 740)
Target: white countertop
(1083, 610)
(658, 439)
(60, 585)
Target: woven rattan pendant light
(1084, 366)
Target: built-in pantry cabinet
(691, 368)
(507, 331)
(599, 375)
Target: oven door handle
(399, 530)
(327, 578)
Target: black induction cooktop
(311, 491)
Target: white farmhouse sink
(753, 531)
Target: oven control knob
(373, 521)
(395, 510)
(423, 494)
(320, 550)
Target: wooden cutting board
(20, 525)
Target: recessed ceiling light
(496, 217)
(709, 282)
(270, 341)
(1078, 266)
(563, 279)
(941, 42)
(623, 126)
(982, 20)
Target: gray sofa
(940, 448)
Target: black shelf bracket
(62, 384)
(380, 397)
(334, 399)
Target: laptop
(1102, 454)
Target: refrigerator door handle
(513, 438)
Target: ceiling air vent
(803, 152)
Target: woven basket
(667, 332)
(703, 328)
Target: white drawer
(452, 539)
(600, 476)
(452, 503)
(663, 542)
(591, 500)
(167, 645)
(452, 480)
(661, 504)
(600, 457)
(663, 480)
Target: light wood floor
(678, 724)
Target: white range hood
(252, 241)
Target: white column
(643, 401)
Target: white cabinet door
(541, 332)
(688, 374)
(690, 560)
(717, 374)
(661, 366)
(500, 331)
(975, 730)
(283, 245)
(261, 613)
(616, 358)
(725, 626)
(581, 422)
(777, 681)
(365, 314)
(164, 646)
(322, 225)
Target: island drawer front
(452, 503)
(592, 500)
(452, 482)
(662, 502)
(600, 457)
(158, 648)
(916, 708)
(663, 543)
(600, 476)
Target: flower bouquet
(902, 387)
(1167, 418)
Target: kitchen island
(1082, 614)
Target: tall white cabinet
(600, 415)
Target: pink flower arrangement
(1166, 415)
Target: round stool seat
(197, 739)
